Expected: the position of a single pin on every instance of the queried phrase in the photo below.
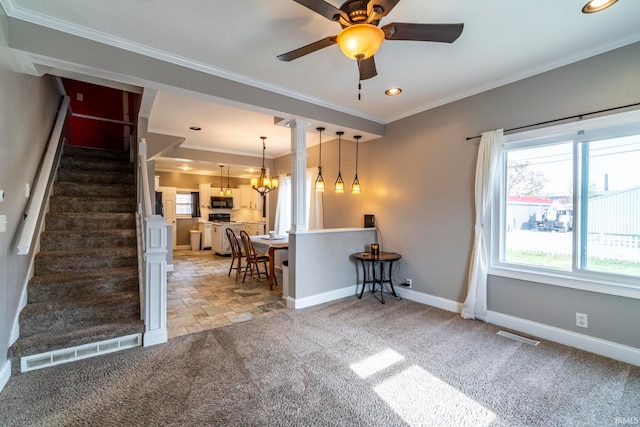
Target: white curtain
(314, 204)
(475, 305)
(282, 223)
(315, 217)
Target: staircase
(83, 299)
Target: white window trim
(589, 281)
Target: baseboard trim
(598, 346)
(5, 374)
(159, 336)
(438, 302)
(321, 298)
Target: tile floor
(201, 296)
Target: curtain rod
(577, 116)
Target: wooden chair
(253, 259)
(236, 253)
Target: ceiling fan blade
(323, 8)
(305, 50)
(387, 6)
(445, 33)
(367, 68)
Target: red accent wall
(100, 102)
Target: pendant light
(319, 181)
(339, 185)
(355, 187)
(264, 184)
(228, 191)
(221, 193)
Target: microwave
(218, 202)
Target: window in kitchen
(569, 201)
(184, 204)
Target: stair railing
(42, 185)
(153, 273)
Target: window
(184, 204)
(569, 201)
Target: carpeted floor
(346, 363)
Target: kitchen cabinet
(245, 195)
(219, 242)
(250, 198)
(207, 234)
(235, 193)
(256, 200)
(255, 228)
(205, 199)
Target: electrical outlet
(409, 283)
(582, 320)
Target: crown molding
(16, 12)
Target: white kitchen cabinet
(217, 239)
(207, 230)
(205, 199)
(220, 243)
(235, 193)
(256, 200)
(250, 198)
(254, 228)
(245, 195)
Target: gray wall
(27, 110)
(422, 189)
(418, 178)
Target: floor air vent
(71, 354)
(518, 338)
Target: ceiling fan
(361, 37)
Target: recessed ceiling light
(597, 5)
(393, 91)
(195, 128)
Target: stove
(219, 217)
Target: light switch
(3, 223)
(27, 190)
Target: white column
(298, 175)
(155, 281)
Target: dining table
(268, 244)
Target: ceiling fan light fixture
(597, 5)
(360, 41)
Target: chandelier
(264, 184)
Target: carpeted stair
(85, 284)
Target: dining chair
(236, 253)
(253, 259)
